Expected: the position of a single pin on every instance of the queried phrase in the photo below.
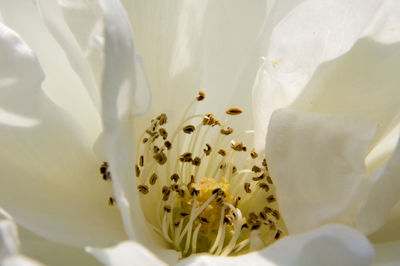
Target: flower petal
(9, 243)
(383, 194)
(386, 25)
(328, 245)
(387, 254)
(309, 35)
(390, 232)
(78, 42)
(51, 253)
(118, 92)
(317, 164)
(50, 181)
(62, 85)
(362, 82)
(126, 254)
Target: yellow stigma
(201, 188)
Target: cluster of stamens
(202, 196)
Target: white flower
(315, 149)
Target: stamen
(206, 187)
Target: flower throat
(202, 189)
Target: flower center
(202, 189)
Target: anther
(278, 234)
(227, 220)
(207, 150)
(219, 201)
(181, 193)
(247, 187)
(167, 144)
(164, 190)
(255, 226)
(184, 214)
(203, 220)
(271, 198)
(252, 217)
(201, 96)
(137, 170)
(264, 163)
(268, 210)
(175, 177)
(256, 169)
(156, 149)
(111, 201)
(144, 140)
(186, 157)
(264, 186)
(162, 118)
(209, 120)
(160, 158)
(222, 152)
(272, 225)
(167, 208)
(141, 161)
(107, 176)
(189, 129)
(253, 154)
(153, 179)
(263, 216)
(276, 214)
(143, 189)
(151, 133)
(166, 195)
(234, 111)
(237, 201)
(227, 131)
(237, 146)
(163, 133)
(216, 190)
(174, 187)
(196, 161)
(103, 168)
(258, 178)
(193, 191)
(234, 169)
(269, 179)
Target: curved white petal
(383, 194)
(309, 35)
(9, 244)
(89, 16)
(317, 164)
(328, 245)
(51, 253)
(390, 232)
(387, 254)
(62, 84)
(385, 27)
(50, 181)
(362, 82)
(126, 254)
(118, 90)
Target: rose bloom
(200, 132)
